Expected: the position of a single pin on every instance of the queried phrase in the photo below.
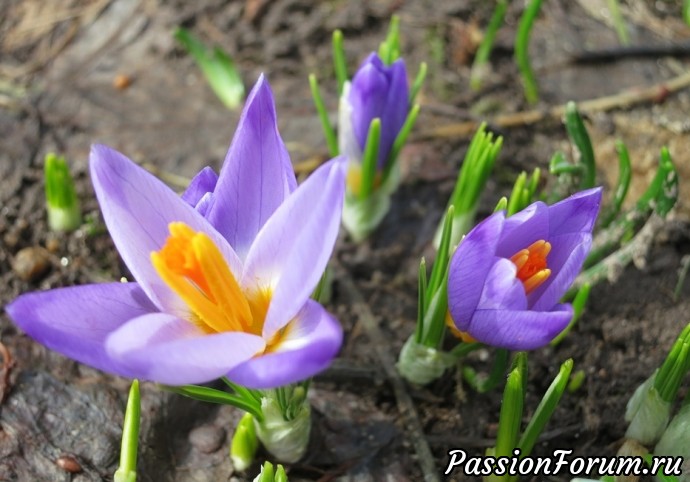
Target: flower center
(531, 265)
(194, 268)
(354, 179)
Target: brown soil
(57, 70)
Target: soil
(61, 421)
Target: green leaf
(206, 394)
(545, 410)
(580, 137)
(218, 68)
(510, 418)
(339, 62)
(328, 131)
(389, 50)
(127, 472)
(522, 53)
(621, 192)
(370, 159)
(400, 141)
(62, 203)
(481, 58)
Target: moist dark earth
(60, 421)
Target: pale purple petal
(502, 290)
(76, 321)
(165, 349)
(137, 209)
(524, 228)
(567, 256)
(312, 340)
(470, 266)
(576, 213)
(202, 184)
(348, 145)
(519, 330)
(257, 175)
(291, 251)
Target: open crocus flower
(376, 91)
(223, 274)
(508, 274)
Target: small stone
(30, 264)
(69, 464)
(53, 244)
(122, 81)
(11, 239)
(207, 438)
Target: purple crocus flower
(376, 91)
(508, 274)
(223, 274)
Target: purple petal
(502, 290)
(368, 95)
(137, 209)
(567, 256)
(291, 251)
(312, 340)
(395, 110)
(519, 330)
(576, 213)
(202, 184)
(76, 321)
(165, 349)
(257, 175)
(469, 267)
(524, 228)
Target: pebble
(207, 438)
(52, 244)
(30, 264)
(69, 464)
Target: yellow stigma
(531, 265)
(194, 268)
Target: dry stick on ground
(7, 364)
(655, 93)
(404, 401)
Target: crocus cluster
(223, 274)
(378, 93)
(508, 274)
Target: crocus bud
(647, 413)
(377, 91)
(244, 443)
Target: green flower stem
(127, 472)
(496, 375)
(370, 159)
(521, 50)
(339, 63)
(218, 68)
(580, 137)
(464, 349)
(399, 142)
(328, 131)
(484, 51)
(624, 176)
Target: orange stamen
(531, 265)
(194, 268)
